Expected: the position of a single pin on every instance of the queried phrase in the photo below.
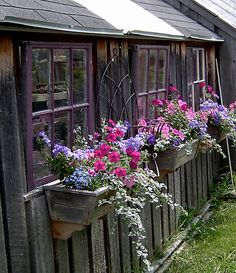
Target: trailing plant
(116, 162)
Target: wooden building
(59, 66)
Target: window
(151, 76)
(59, 99)
(195, 74)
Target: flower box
(73, 210)
(171, 159)
(216, 133)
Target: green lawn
(212, 245)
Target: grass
(211, 246)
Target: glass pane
(201, 65)
(142, 106)
(61, 77)
(162, 95)
(61, 128)
(162, 68)
(81, 120)
(153, 70)
(142, 70)
(150, 108)
(40, 169)
(41, 63)
(194, 65)
(79, 76)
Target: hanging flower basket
(216, 133)
(72, 210)
(171, 159)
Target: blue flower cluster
(61, 149)
(134, 142)
(208, 105)
(200, 127)
(45, 138)
(80, 179)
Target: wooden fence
(104, 247)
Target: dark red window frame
(150, 93)
(70, 108)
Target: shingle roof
(49, 12)
(178, 20)
(224, 9)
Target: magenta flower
(104, 149)
(111, 122)
(99, 166)
(172, 88)
(120, 172)
(92, 172)
(129, 151)
(165, 130)
(111, 137)
(133, 164)
(202, 84)
(114, 157)
(178, 133)
(157, 102)
(119, 133)
(135, 156)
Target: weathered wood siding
(105, 246)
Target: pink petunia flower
(129, 182)
(104, 149)
(135, 156)
(172, 88)
(178, 133)
(165, 130)
(114, 156)
(99, 166)
(182, 105)
(157, 102)
(111, 122)
(111, 137)
(92, 172)
(120, 172)
(119, 133)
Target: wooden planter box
(73, 210)
(169, 160)
(216, 133)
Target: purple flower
(45, 138)
(134, 142)
(151, 140)
(60, 149)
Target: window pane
(40, 169)
(142, 106)
(201, 65)
(142, 68)
(81, 120)
(61, 128)
(153, 70)
(195, 65)
(61, 77)
(79, 76)
(162, 68)
(41, 64)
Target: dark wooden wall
(26, 244)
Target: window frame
(135, 68)
(193, 82)
(71, 108)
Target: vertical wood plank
(204, 176)
(112, 240)
(3, 257)
(194, 183)
(12, 174)
(80, 252)
(183, 189)
(157, 228)
(146, 217)
(125, 250)
(177, 189)
(165, 220)
(40, 236)
(98, 247)
(62, 264)
(199, 179)
(188, 177)
(172, 213)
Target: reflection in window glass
(162, 69)
(143, 64)
(40, 169)
(79, 76)
(61, 128)
(81, 120)
(153, 70)
(61, 77)
(41, 63)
